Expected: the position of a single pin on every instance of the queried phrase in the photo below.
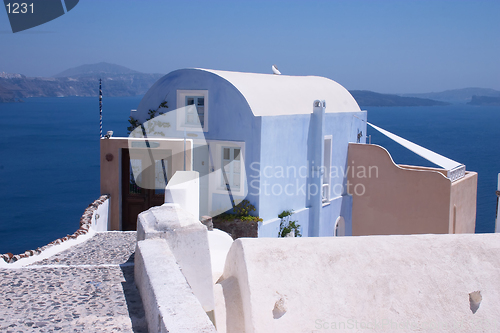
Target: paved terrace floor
(87, 288)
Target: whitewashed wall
(100, 217)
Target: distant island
(370, 98)
(460, 96)
(485, 100)
(79, 81)
(120, 81)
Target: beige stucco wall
(406, 200)
(111, 170)
(464, 198)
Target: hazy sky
(384, 46)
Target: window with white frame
(193, 110)
(231, 168)
(195, 115)
(228, 166)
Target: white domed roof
(273, 95)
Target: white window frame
(181, 103)
(216, 180)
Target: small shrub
(287, 226)
(242, 212)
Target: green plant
(244, 208)
(134, 123)
(242, 212)
(287, 226)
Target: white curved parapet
(169, 303)
(424, 283)
(182, 239)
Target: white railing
(456, 173)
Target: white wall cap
(167, 217)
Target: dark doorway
(136, 199)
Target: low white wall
(100, 217)
(169, 304)
(188, 240)
(378, 283)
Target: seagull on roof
(275, 70)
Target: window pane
(237, 154)
(236, 181)
(236, 166)
(190, 110)
(197, 110)
(226, 153)
(135, 169)
(201, 115)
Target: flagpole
(100, 107)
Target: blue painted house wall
(284, 166)
(281, 152)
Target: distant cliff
(7, 96)
(484, 100)
(102, 68)
(79, 81)
(370, 98)
(457, 95)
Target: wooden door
(136, 199)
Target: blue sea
(49, 165)
(49, 157)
